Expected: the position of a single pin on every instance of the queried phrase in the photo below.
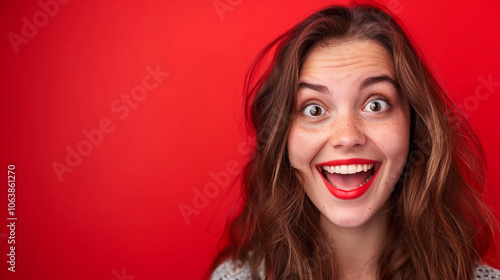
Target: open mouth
(348, 179)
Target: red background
(116, 215)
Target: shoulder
(231, 270)
(486, 272)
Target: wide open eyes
(377, 105)
(313, 110)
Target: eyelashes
(376, 104)
(312, 110)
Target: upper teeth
(348, 169)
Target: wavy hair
(439, 226)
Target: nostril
(347, 140)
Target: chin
(370, 208)
(346, 220)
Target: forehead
(345, 59)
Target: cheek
(303, 145)
(394, 141)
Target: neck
(358, 249)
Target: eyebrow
(366, 83)
(315, 87)
(378, 79)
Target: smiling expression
(351, 133)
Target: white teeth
(366, 180)
(348, 169)
(351, 169)
(343, 169)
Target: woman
(363, 168)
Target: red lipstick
(356, 192)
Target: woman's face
(350, 137)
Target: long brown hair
(439, 227)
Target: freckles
(303, 146)
(379, 131)
(306, 137)
(393, 139)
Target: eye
(314, 110)
(377, 105)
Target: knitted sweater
(229, 271)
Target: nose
(347, 132)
